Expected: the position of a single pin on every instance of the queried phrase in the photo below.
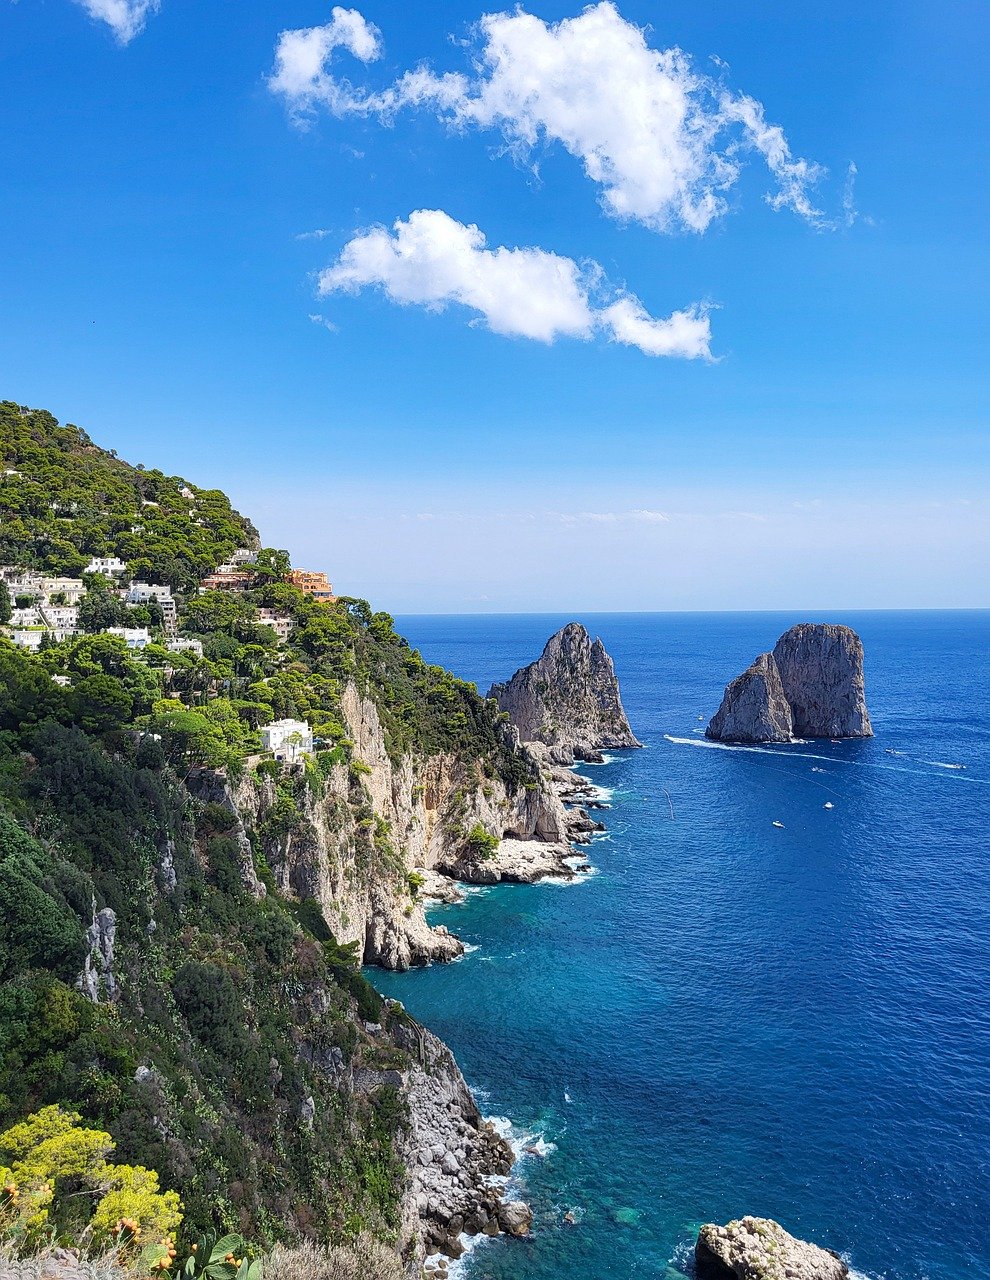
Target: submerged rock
(811, 686)
(568, 699)
(754, 708)
(760, 1249)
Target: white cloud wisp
(663, 141)
(432, 260)
(126, 18)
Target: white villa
(280, 623)
(133, 637)
(287, 739)
(109, 566)
(186, 646)
(145, 592)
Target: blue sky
(832, 452)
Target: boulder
(568, 699)
(760, 1249)
(515, 1218)
(811, 686)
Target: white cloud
(662, 140)
(302, 59)
(126, 18)
(685, 333)
(432, 260)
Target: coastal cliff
(184, 913)
(811, 686)
(363, 839)
(568, 701)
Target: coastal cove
(729, 1017)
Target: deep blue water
(733, 1018)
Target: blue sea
(731, 1017)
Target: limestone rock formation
(568, 700)
(754, 708)
(760, 1249)
(811, 686)
(821, 669)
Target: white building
(280, 623)
(145, 592)
(60, 617)
(242, 557)
(186, 646)
(20, 618)
(133, 637)
(109, 566)
(71, 588)
(287, 739)
(28, 638)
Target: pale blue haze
(792, 1022)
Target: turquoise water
(729, 1017)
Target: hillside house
(108, 566)
(136, 638)
(314, 584)
(287, 739)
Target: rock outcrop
(760, 1249)
(97, 981)
(568, 700)
(754, 708)
(811, 686)
(455, 1157)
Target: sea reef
(811, 686)
(568, 701)
(760, 1249)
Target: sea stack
(760, 1249)
(811, 686)
(568, 700)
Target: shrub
(50, 1149)
(480, 843)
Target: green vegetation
(69, 501)
(480, 843)
(209, 1066)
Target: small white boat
(779, 824)
(829, 804)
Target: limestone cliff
(357, 840)
(754, 708)
(811, 686)
(821, 669)
(568, 700)
(760, 1249)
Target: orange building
(314, 584)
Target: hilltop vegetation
(63, 500)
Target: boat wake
(787, 754)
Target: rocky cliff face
(821, 669)
(354, 840)
(811, 686)
(754, 708)
(568, 700)
(760, 1249)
